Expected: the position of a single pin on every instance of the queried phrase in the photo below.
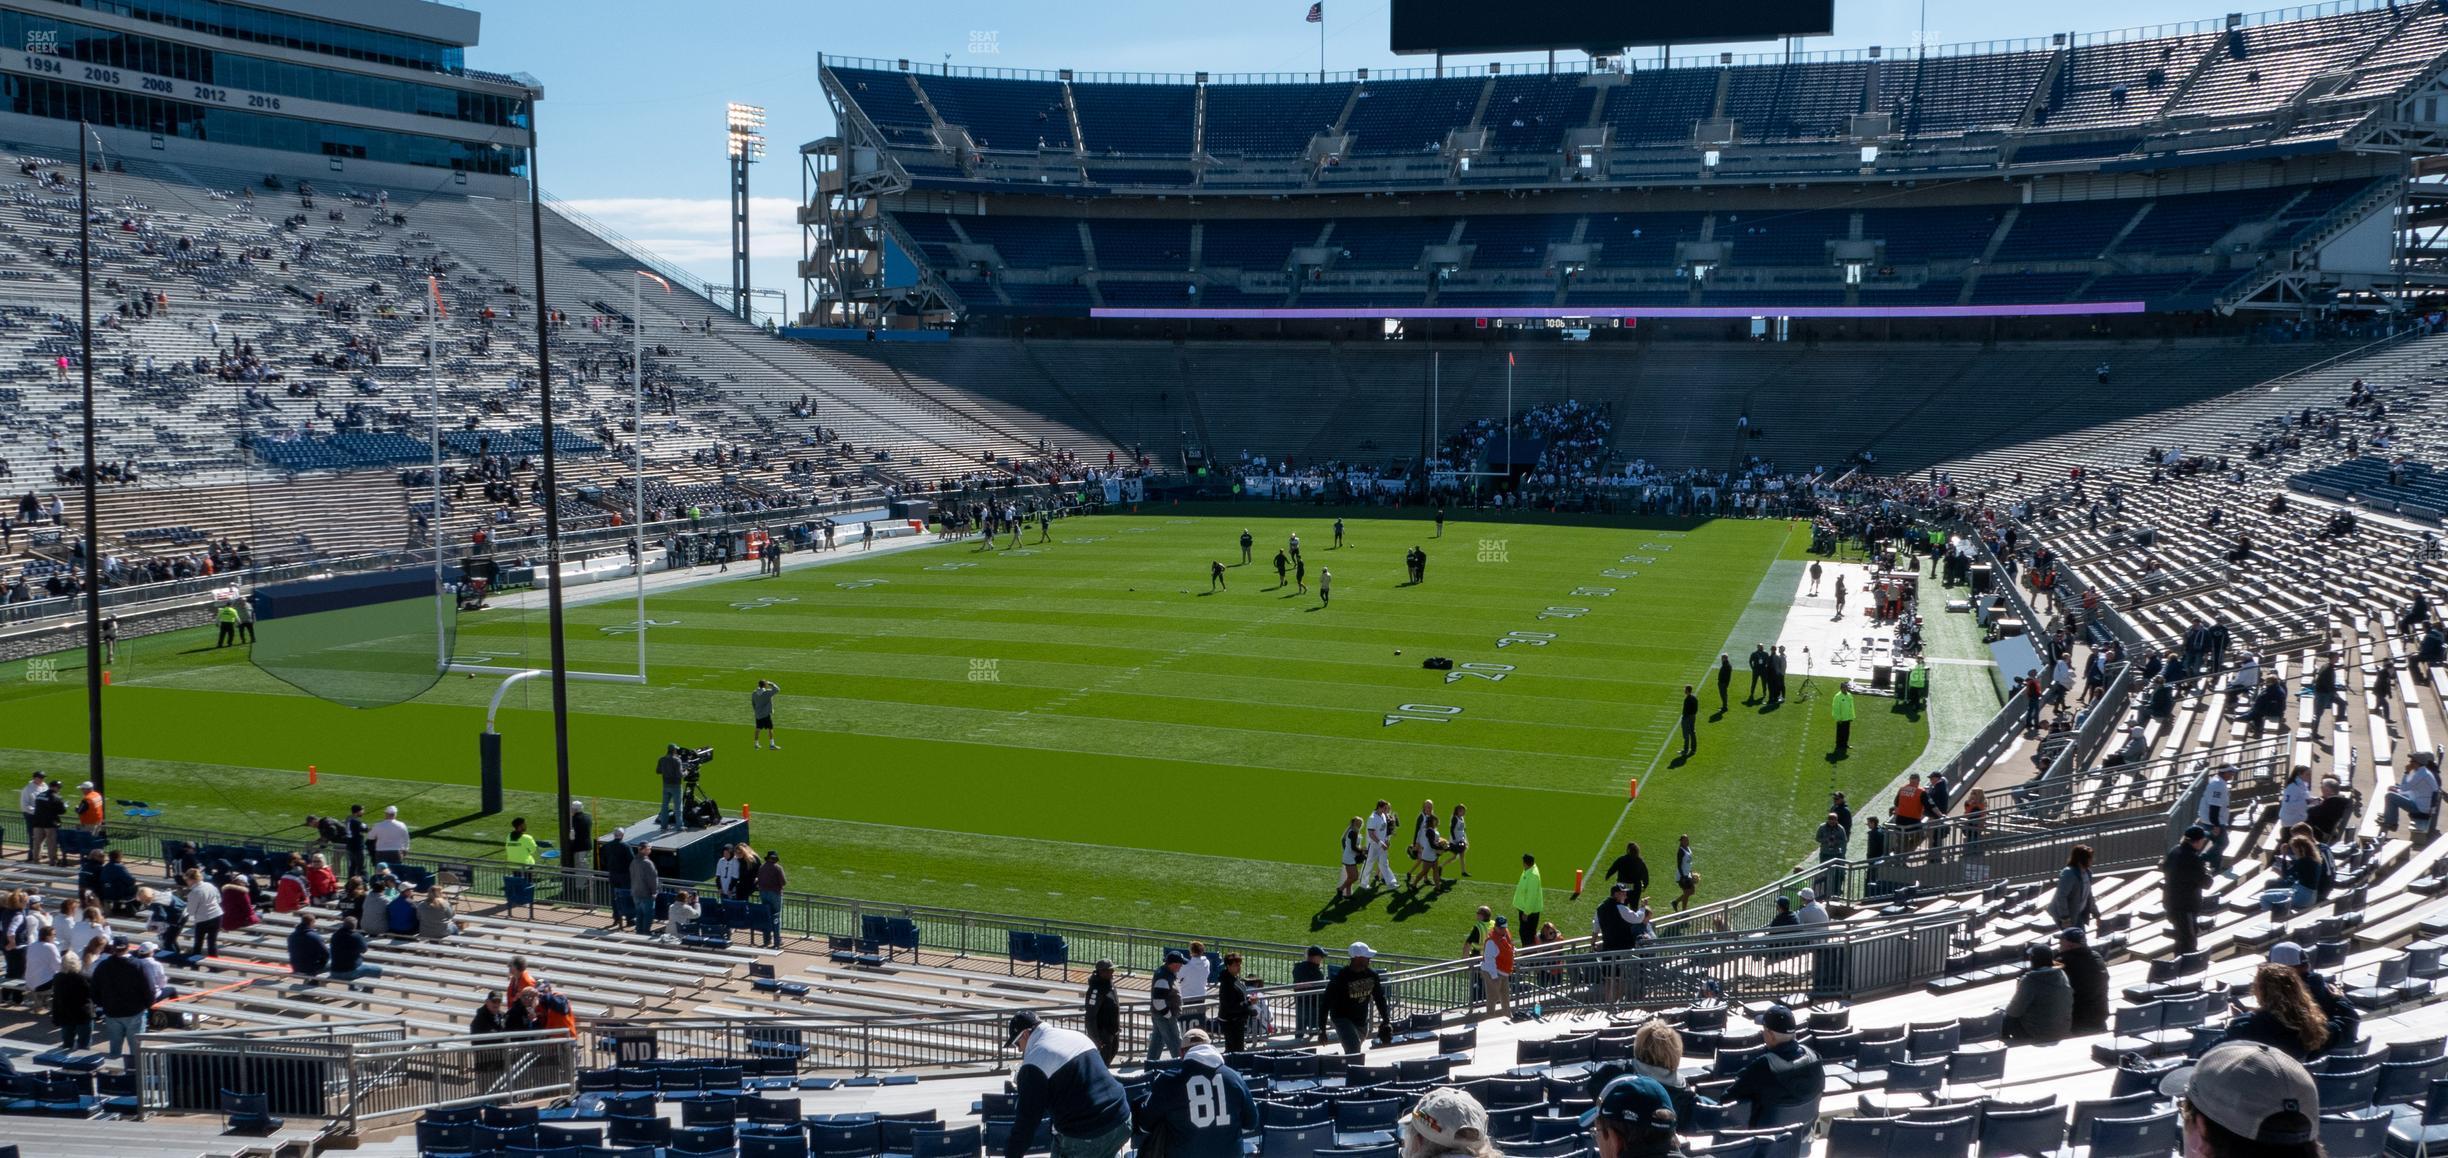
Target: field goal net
(366, 640)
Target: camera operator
(672, 771)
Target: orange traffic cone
(1632, 790)
(743, 811)
(311, 775)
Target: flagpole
(1321, 44)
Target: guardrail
(862, 1045)
(804, 916)
(353, 1075)
(1824, 961)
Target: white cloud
(695, 234)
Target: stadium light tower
(746, 142)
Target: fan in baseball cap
(1020, 1023)
(1446, 1121)
(2246, 1095)
(1634, 1117)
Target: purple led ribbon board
(2038, 310)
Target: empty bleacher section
(2172, 251)
(1825, 404)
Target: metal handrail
(352, 1075)
(804, 916)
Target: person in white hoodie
(1193, 982)
(42, 963)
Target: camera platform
(682, 854)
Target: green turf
(1077, 729)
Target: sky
(631, 128)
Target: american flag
(1317, 12)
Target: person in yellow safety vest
(520, 849)
(227, 618)
(1919, 681)
(1840, 709)
(1529, 894)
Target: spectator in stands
(1782, 1084)
(645, 886)
(289, 893)
(1350, 993)
(491, 1019)
(1062, 1078)
(770, 881)
(2246, 1100)
(358, 833)
(203, 913)
(389, 838)
(2268, 704)
(2086, 980)
(1165, 1006)
(548, 1009)
(348, 949)
(321, 883)
(309, 955)
(79, 925)
(238, 903)
(2072, 904)
(582, 836)
(1657, 1054)
(1199, 1110)
(72, 1004)
(683, 917)
(2416, 794)
(1496, 968)
(2302, 875)
(2042, 1008)
(125, 996)
(1308, 1003)
(2329, 816)
(2217, 812)
(26, 796)
(2184, 875)
(2285, 1017)
(435, 920)
(400, 911)
(1635, 1116)
(2294, 801)
(1102, 1018)
(43, 829)
(1447, 1122)
(42, 963)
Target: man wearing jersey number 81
(1197, 1111)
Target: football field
(1080, 728)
